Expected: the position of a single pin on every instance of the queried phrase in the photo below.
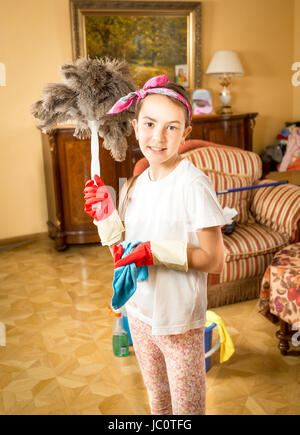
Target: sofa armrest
(278, 207)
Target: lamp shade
(2, 74)
(225, 62)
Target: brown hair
(125, 197)
(177, 88)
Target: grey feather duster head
(90, 88)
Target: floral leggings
(173, 369)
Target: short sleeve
(203, 207)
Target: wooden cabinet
(67, 168)
(234, 130)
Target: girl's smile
(157, 150)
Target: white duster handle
(95, 163)
(110, 230)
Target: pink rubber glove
(117, 252)
(100, 206)
(170, 253)
(141, 256)
(98, 202)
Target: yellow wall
(35, 40)
(261, 31)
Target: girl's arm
(175, 254)
(211, 256)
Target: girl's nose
(158, 136)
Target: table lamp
(225, 64)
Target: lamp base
(225, 110)
(225, 97)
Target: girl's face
(160, 129)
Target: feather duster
(90, 88)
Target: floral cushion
(280, 287)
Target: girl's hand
(98, 202)
(170, 253)
(141, 256)
(100, 206)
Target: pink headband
(149, 88)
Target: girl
(174, 210)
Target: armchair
(268, 219)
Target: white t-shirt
(172, 208)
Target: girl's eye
(148, 124)
(172, 127)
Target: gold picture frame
(79, 9)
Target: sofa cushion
(250, 240)
(277, 207)
(248, 252)
(245, 268)
(238, 200)
(227, 161)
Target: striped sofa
(268, 219)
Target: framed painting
(160, 37)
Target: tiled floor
(58, 356)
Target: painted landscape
(151, 45)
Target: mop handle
(256, 186)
